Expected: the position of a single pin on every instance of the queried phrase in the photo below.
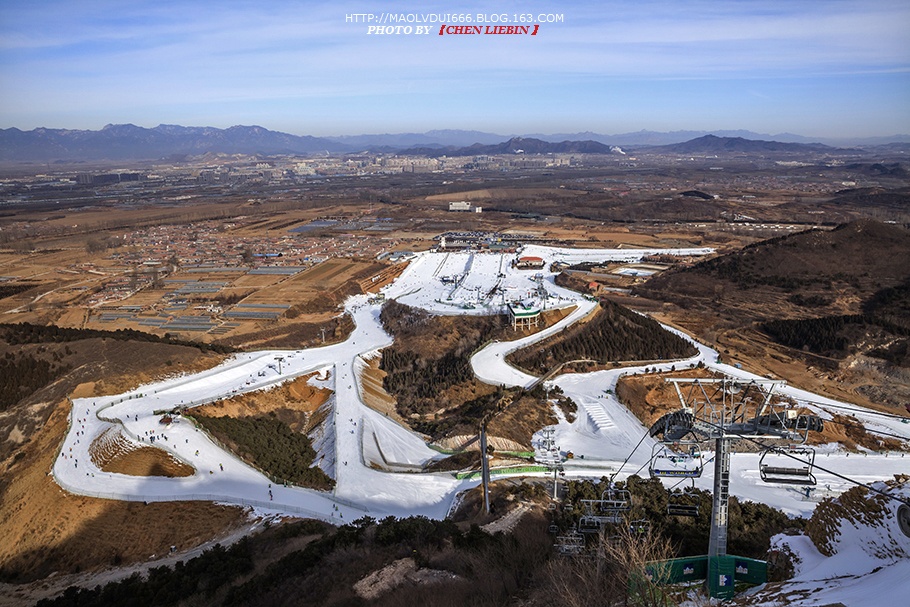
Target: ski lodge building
(523, 317)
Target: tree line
(22, 375)
(415, 374)
(481, 569)
(28, 333)
(830, 335)
(749, 529)
(614, 334)
(202, 576)
(270, 445)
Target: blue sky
(825, 68)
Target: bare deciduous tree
(618, 569)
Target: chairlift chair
(616, 500)
(684, 504)
(781, 468)
(589, 524)
(593, 518)
(571, 544)
(679, 509)
(676, 459)
(615, 504)
(640, 528)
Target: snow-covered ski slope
(869, 564)
(357, 438)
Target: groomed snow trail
(604, 431)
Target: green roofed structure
(523, 317)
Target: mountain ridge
(517, 146)
(132, 142)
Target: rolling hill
(711, 144)
(131, 142)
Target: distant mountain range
(516, 145)
(712, 144)
(127, 141)
(131, 142)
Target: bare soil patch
(402, 571)
(113, 452)
(293, 403)
(321, 288)
(503, 194)
(293, 333)
(148, 461)
(374, 395)
(524, 416)
(649, 397)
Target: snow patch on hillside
(870, 561)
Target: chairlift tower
(484, 466)
(721, 410)
(552, 459)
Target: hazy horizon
(837, 70)
(694, 133)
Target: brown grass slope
(45, 529)
(812, 273)
(858, 267)
(113, 365)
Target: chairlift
(684, 503)
(589, 524)
(680, 509)
(571, 544)
(553, 529)
(616, 501)
(780, 466)
(640, 528)
(597, 513)
(676, 459)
